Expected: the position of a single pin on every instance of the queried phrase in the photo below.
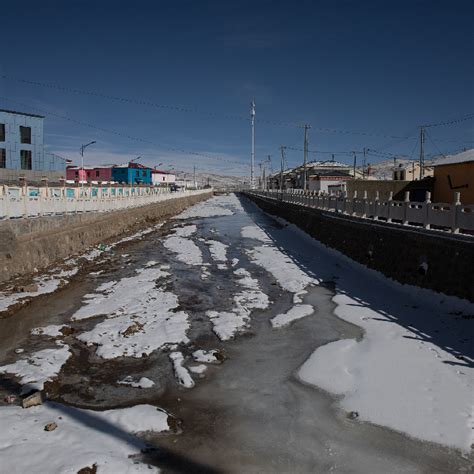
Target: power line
(436, 146)
(178, 108)
(450, 122)
(124, 135)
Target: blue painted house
(132, 173)
(22, 146)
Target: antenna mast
(252, 167)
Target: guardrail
(31, 201)
(453, 217)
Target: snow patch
(141, 383)
(218, 250)
(140, 316)
(38, 368)
(296, 312)
(52, 331)
(82, 438)
(181, 373)
(186, 250)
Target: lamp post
(83, 147)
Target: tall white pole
(252, 168)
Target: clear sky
(370, 70)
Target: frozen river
(269, 352)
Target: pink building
(99, 173)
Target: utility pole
(355, 163)
(306, 128)
(364, 164)
(194, 177)
(83, 147)
(264, 178)
(252, 171)
(422, 152)
(282, 149)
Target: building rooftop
(463, 157)
(20, 113)
(335, 173)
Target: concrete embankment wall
(398, 252)
(29, 244)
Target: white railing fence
(454, 217)
(31, 201)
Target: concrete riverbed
(184, 318)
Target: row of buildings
(321, 176)
(22, 155)
(129, 173)
(442, 177)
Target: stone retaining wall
(29, 244)
(438, 261)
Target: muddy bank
(28, 245)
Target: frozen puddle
(141, 317)
(83, 438)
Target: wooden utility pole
(422, 152)
(305, 161)
(355, 163)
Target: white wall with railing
(454, 217)
(31, 201)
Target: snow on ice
(296, 312)
(52, 331)
(226, 324)
(400, 374)
(141, 317)
(143, 382)
(181, 372)
(218, 250)
(83, 438)
(185, 249)
(40, 367)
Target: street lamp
(83, 147)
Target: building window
(25, 156)
(3, 158)
(2, 132)
(25, 135)
(97, 173)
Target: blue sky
(371, 70)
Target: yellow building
(454, 174)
